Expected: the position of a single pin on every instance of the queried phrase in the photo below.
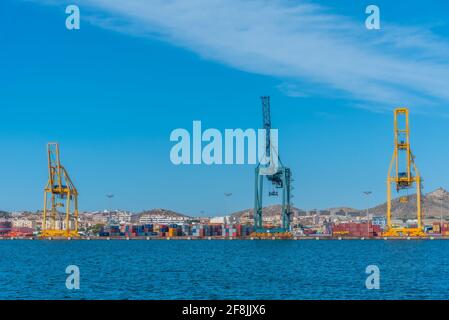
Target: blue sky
(112, 92)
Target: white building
(220, 220)
(23, 223)
(161, 219)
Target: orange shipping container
(436, 227)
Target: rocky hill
(431, 207)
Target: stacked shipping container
(353, 229)
(175, 230)
(441, 228)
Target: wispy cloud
(303, 44)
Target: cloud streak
(303, 44)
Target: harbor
(274, 237)
(407, 213)
(223, 159)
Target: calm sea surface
(182, 269)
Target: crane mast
(60, 194)
(280, 179)
(403, 174)
(266, 124)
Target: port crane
(59, 194)
(279, 176)
(403, 174)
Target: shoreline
(326, 238)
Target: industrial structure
(59, 194)
(404, 175)
(279, 176)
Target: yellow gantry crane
(404, 174)
(60, 195)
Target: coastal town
(335, 222)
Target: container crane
(404, 175)
(60, 192)
(280, 177)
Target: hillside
(431, 207)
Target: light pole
(441, 212)
(227, 195)
(110, 196)
(367, 194)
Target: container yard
(346, 230)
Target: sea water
(221, 269)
